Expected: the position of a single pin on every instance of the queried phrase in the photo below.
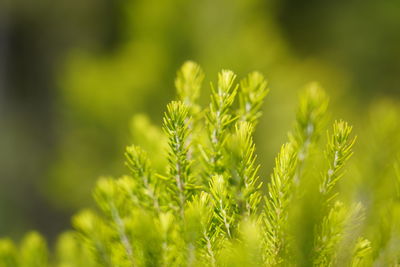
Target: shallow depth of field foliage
(198, 197)
(79, 80)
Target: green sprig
(253, 90)
(277, 204)
(338, 151)
(310, 119)
(245, 171)
(223, 206)
(188, 83)
(139, 164)
(179, 174)
(219, 118)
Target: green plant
(209, 206)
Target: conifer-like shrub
(209, 205)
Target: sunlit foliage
(209, 205)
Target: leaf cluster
(208, 205)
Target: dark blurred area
(360, 37)
(73, 73)
(34, 40)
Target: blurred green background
(74, 73)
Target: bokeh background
(74, 73)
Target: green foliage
(147, 191)
(245, 169)
(219, 119)
(179, 180)
(188, 84)
(361, 252)
(397, 176)
(70, 251)
(338, 151)
(276, 206)
(32, 252)
(206, 205)
(253, 90)
(331, 233)
(8, 253)
(310, 119)
(223, 206)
